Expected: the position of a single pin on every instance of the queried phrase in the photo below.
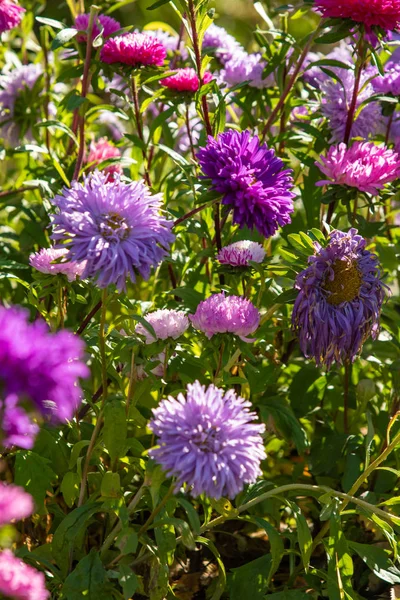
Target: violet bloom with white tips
(209, 441)
(240, 253)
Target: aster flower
(172, 43)
(251, 179)
(209, 441)
(340, 299)
(47, 260)
(19, 580)
(100, 151)
(115, 226)
(15, 504)
(114, 125)
(389, 83)
(185, 80)
(38, 366)
(240, 253)
(134, 49)
(315, 76)
(11, 15)
(108, 26)
(225, 46)
(364, 166)
(381, 13)
(17, 427)
(166, 324)
(226, 314)
(246, 67)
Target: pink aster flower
(383, 13)
(134, 49)
(10, 15)
(185, 80)
(226, 314)
(44, 261)
(364, 166)
(20, 581)
(240, 253)
(166, 324)
(108, 26)
(103, 150)
(15, 504)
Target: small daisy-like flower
(221, 42)
(100, 151)
(185, 80)
(208, 440)
(364, 166)
(135, 50)
(240, 253)
(116, 227)
(108, 26)
(389, 83)
(381, 13)
(19, 580)
(226, 314)
(340, 299)
(251, 178)
(15, 504)
(166, 324)
(49, 261)
(11, 15)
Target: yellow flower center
(346, 283)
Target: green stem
(139, 124)
(102, 344)
(89, 453)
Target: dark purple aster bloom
(209, 441)
(116, 227)
(251, 179)
(340, 300)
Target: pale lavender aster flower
(170, 42)
(104, 24)
(116, 227)
(11, 14)
(240, 253)
(244, 67)
(389, 83)
(340, 299)
(15, 504)
(19, 580)
(209, 441)
(226, 314)
(48, 260)
(166, 324)
(314, 75)
(224, 45)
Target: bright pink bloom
(20, 581)
(185, 80)
(108, 26)
(10, 15)
(384, 13)
(134, 49)
(364, 166)
(15, 504)
(103, 150)
(43, 261)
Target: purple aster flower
(134, 49)
(251, 179)
(48, 261)
(226, 314)
(340, 299)
(170, 42)
(389, 83)
(166, 324)
(18, 428)
(108, 26)
(209, 441)
(115, 226)
(15, 504)
(364, 166)
(20, 581)
(246, 67)
(314, 74)
(240, 253)
(225, 46)
(10, 15)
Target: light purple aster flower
(20, 581)
(314, 74)
(108, 26)
(251, 179)
(170, 42)
(209, 441)
(11, 15)
(240, 253)
(389, 83)
(224, 45)
(48, 261)
(246, 67)
(226, 314)
(17, 427)
(166, 324)
(116, 227)
(340, 299)
(15, 504)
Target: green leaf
(285, 421)
(251, 580)
(33, 472)
(128, 581)
(70, 486)
(378, 561)
(88, 580)
(51, 22)
(276, 543)
(288, 595)
(127, 541)
(111, 485)
(63, 37)
(220, 587)
(115, 428)
(304, 537)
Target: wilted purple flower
(134, 49)
(246, 67)
(116, 227)
(17, 427)
(44, 261)
(108, 26)
(15, 504)
(166, 324)
(225, 46)
(226, 314)
(209, 441)
(340, 299)
(20, 581)
(240, 253)
(389, 83)
(11, 15)
(251, 179)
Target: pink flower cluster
(15, 504)
(185, 80)
(20, 581)
(99, 152)
(44, 261)
(134, 49)
(383, 13)
(10, 15)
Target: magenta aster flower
(17, 427)
(116, 227)
(15, 504)
(108, 26)
(20, 581)
(251, 179)
(340, 299)
(383, 13)
(135, 50)
(166, 324)
(185, 80)
(364, 166)
(103, 150)
(240, 253)
(11, 15)
(209, 441)
(49, 261)
(226, 314)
